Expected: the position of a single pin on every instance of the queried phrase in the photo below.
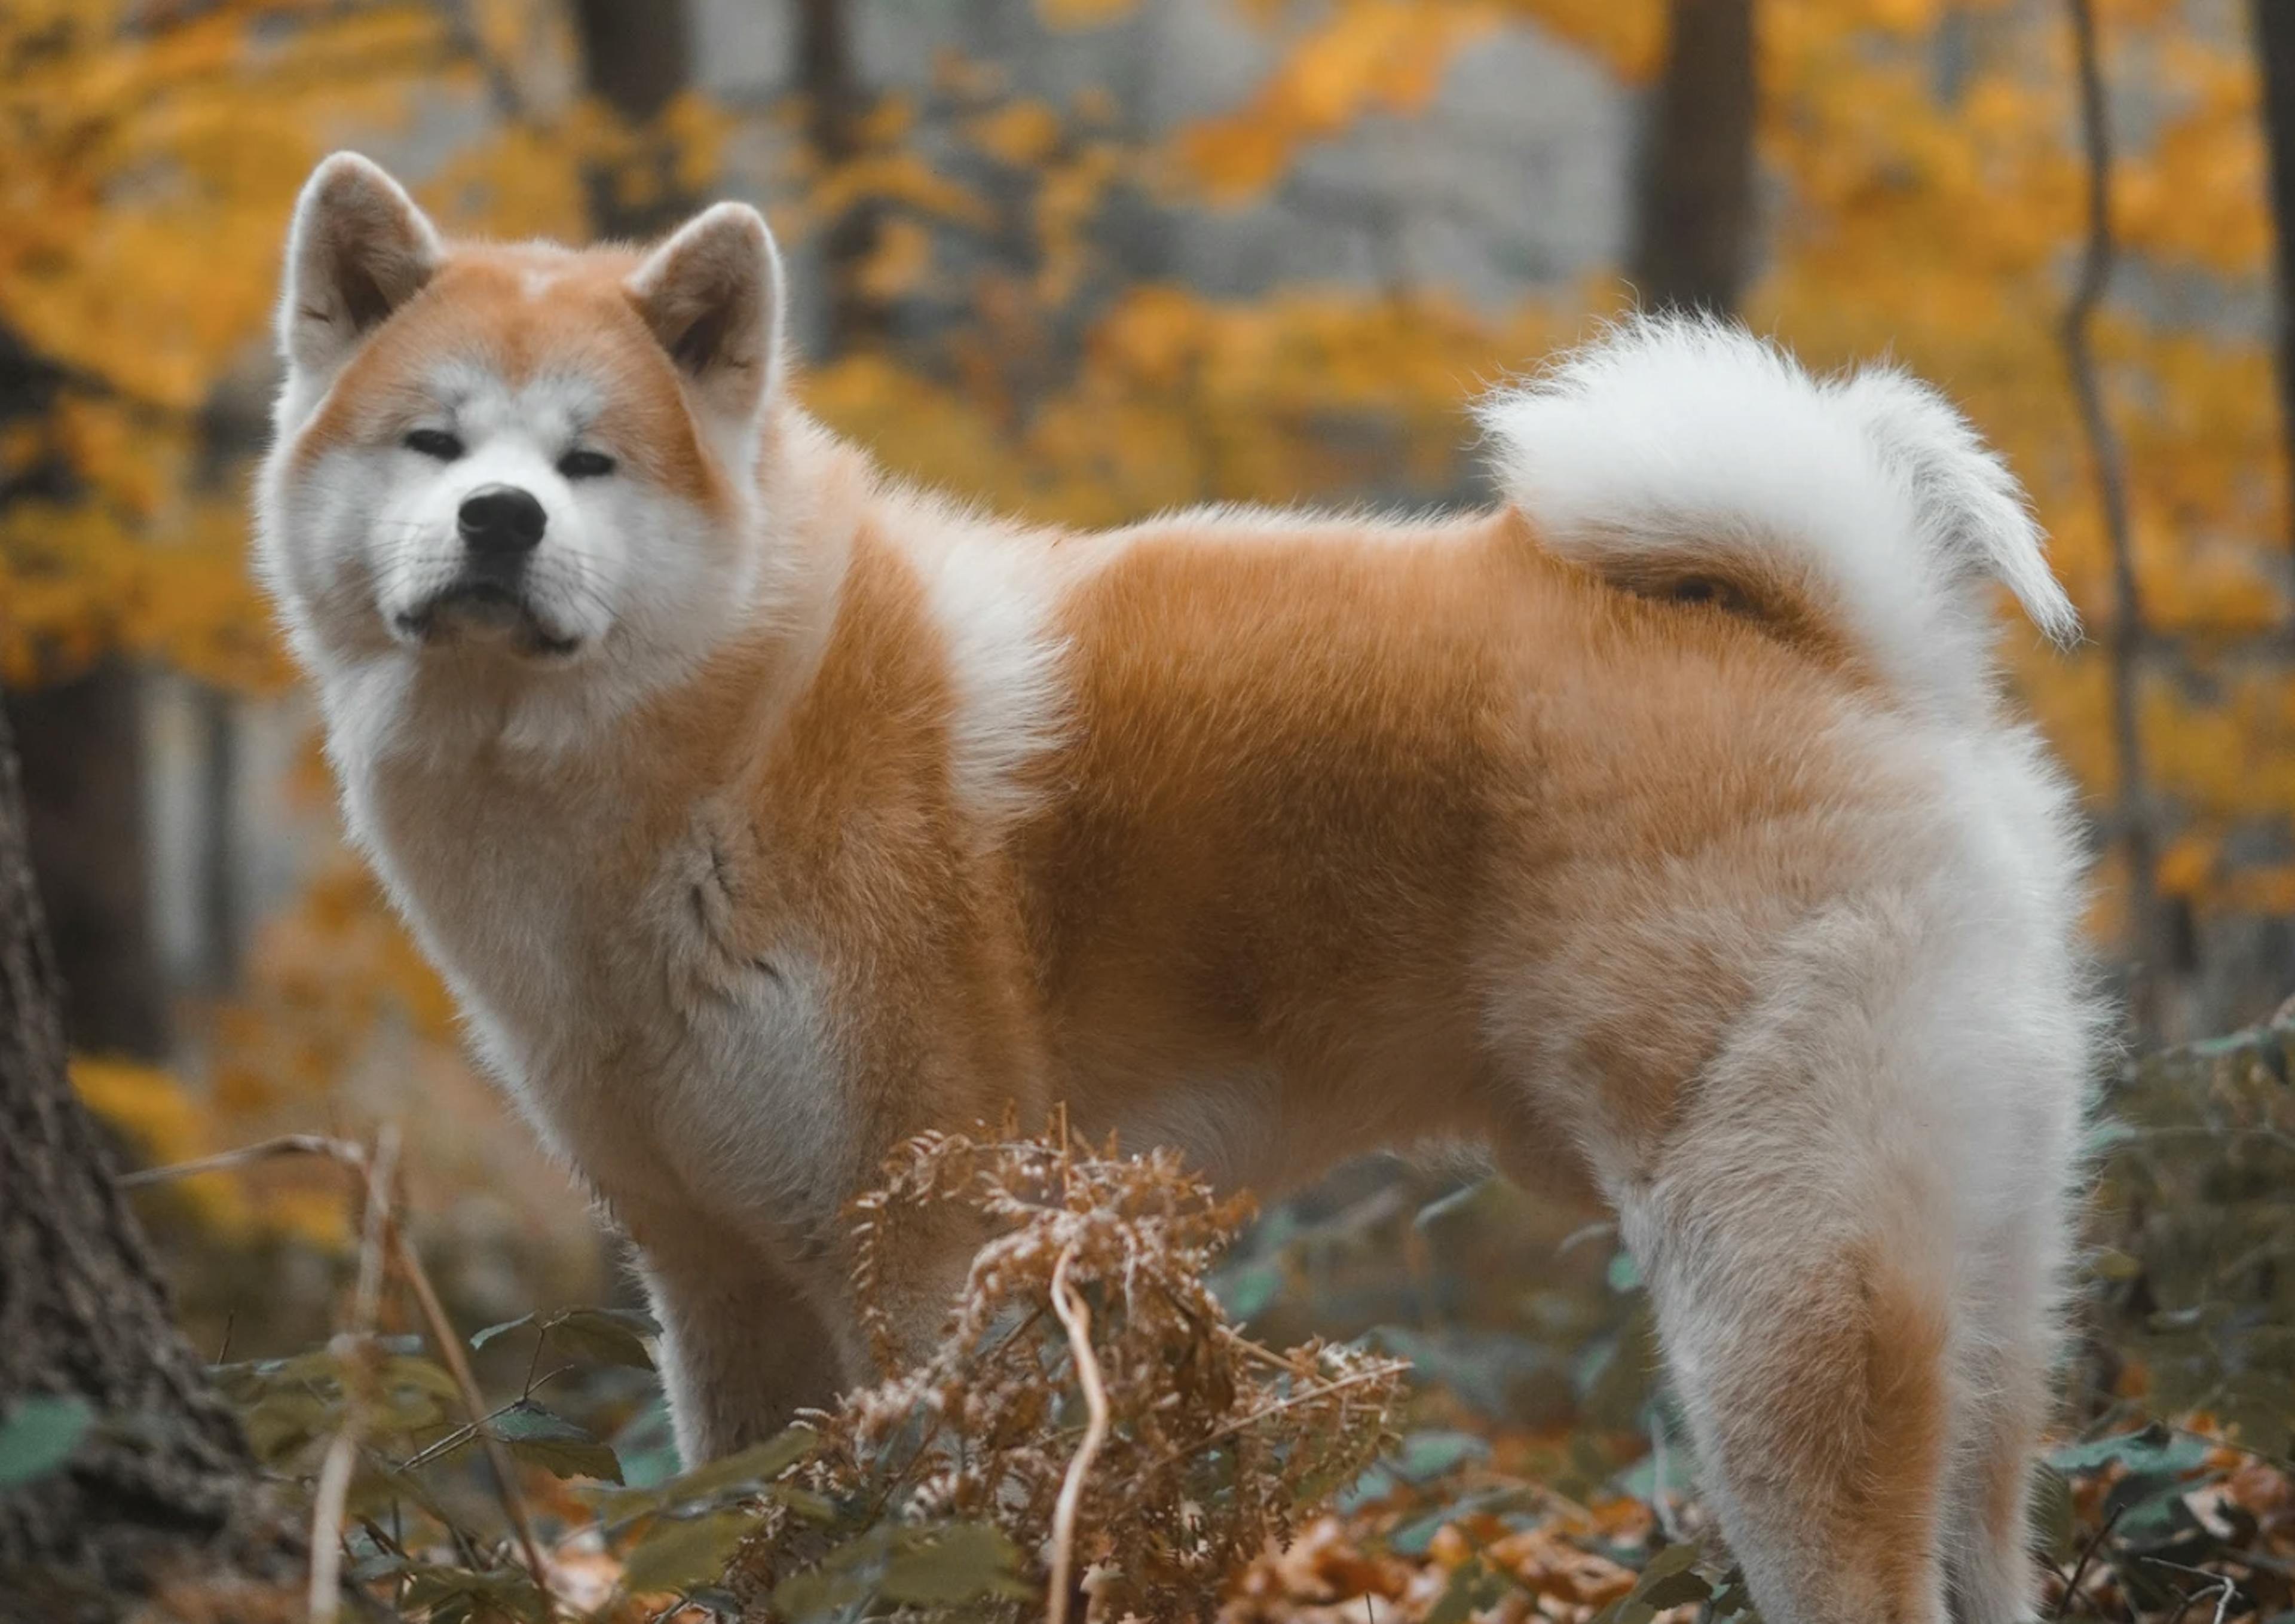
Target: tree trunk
(82, 742)
(636, 58)
(82, 748)
(1693, 233)
(163, 1474)
(2274, 50)
(835, 106)
(2159, 947)
(222, 922)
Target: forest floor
(1113, 1414)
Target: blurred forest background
(1087, 259)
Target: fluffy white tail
(1680, 453)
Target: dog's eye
(433, 443)
(585, 465)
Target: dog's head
(534, 465)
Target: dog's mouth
(488, 610)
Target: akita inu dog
(1661, 828)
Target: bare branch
(384, 1235)
(458, 1363)
(1383, 1370)
(345, 1151)
(1077, 1319)
(353, 1351)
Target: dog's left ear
(712, 295)
(359, 249)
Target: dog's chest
(675, 1041)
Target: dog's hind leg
(2005, 1392)
(1794, 1212)
(1814, 1364)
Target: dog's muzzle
(490, 600)
(500, 526)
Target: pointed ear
(359, 249)
(712, 295)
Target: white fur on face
(576, 580)
(628, 589)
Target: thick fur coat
(1661, 828)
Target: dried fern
(1209, 1445)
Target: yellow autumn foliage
(1368, 56)
(1922, 198)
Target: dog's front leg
(742, 1349)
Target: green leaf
(450, 1591)
(2156, 1449)
(380, 1564)
(39, 1436)
(1247, 1291)
(746, 1472)
(966, 1562)
(1668, 1579)
(2156, 1512)
(609, 1336)
(612, 1336)
(803, 1503)
(648, 1446)
(952, 1565)
(1673, 1559)
(410, 1395)
(1624, 1274)
(1472, 1588)
(679, 1553)
(1732, 1599)
(1374, 1485)
(380, 1481)
(284, 1421)
(479, 1339)
(1428, 1455)
(422, 1375)
(1416, 1537)
(846, 1577)
(1673, 1590)
(551, 1441)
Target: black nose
(500, 521)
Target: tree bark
(1693, 233)
(636, 58)
(2274, 50)
(81, 744)
(836, 104)
(163, 1474)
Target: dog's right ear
(359, 249)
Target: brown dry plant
(1089, 1400)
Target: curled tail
(1681, 457)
